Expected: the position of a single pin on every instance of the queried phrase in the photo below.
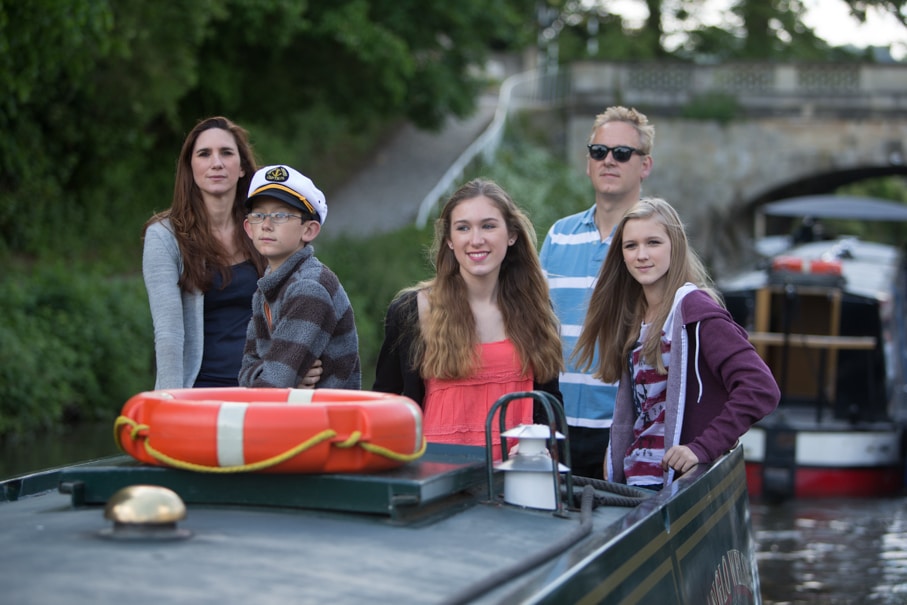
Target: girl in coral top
(481, 328)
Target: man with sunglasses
(573, 251)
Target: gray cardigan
(177, 315)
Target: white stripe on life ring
(300, 396)
(230, 422)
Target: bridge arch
(819, 183)
(758, 161)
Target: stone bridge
(797, 129)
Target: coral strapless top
(455, 410)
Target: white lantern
(529, 472)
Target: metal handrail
(556, 421)
(486, 143)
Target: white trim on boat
(832, 449)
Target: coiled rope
(615, 494)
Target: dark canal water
(832, 552)
(811, 552)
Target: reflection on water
(810, 552)
(19, 455)
(835, 551)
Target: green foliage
(100, 94)
(366, 60)
(890, 188)
(595, 34)
(749, 30)
(47, 49)
(318, 141)
(91, 78)
(73, 345)
(372, 270)
(716, 106)
(561, 191)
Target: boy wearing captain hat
(300, 312)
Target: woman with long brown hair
(481, 328)
(200, 267)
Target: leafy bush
(74, 345)
(716, 106)
(372, 270)
(99, 94)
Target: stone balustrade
(854, 89)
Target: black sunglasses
(621, 153)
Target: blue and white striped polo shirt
(571, 257)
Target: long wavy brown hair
(200, 249)
(449, 338)
(618, 305)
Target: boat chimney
(528, 473)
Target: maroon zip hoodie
(718, 386)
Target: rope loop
(350, 441)
(137, 431)
(134, 431)
(242, 468)
(383, 451)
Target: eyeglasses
(621, 153)
(278, 218)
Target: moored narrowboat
(828, 317)
(438, 528)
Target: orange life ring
(796, 264)
(238, 429)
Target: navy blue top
(227, 315)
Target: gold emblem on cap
(278, 173)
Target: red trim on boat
(812, 482)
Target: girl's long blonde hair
(617, 306)
(447, 347)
